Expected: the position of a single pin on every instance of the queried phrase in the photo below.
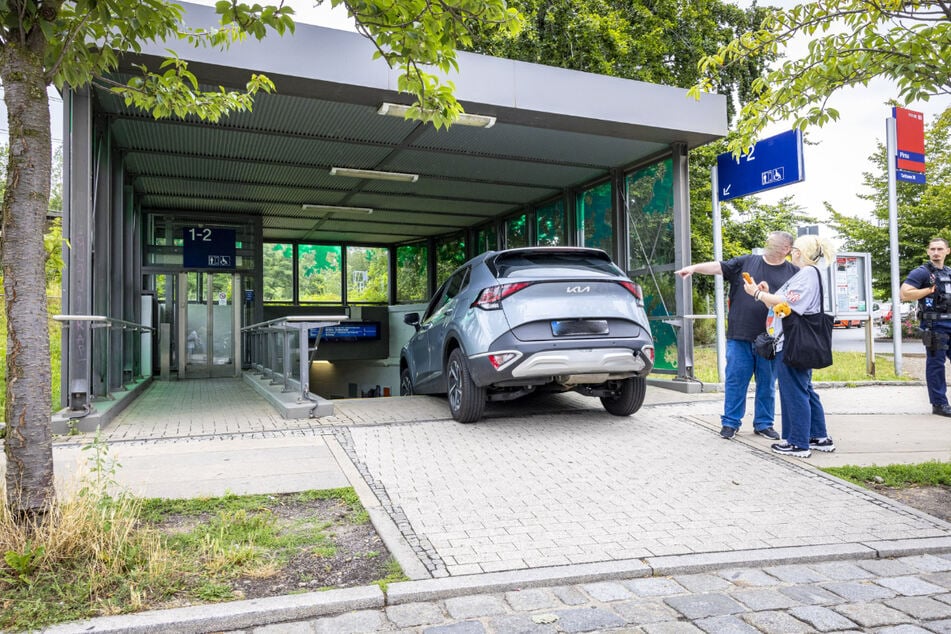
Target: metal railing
(101, 363)
(274, 345)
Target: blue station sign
(774, 162)
(208, 248)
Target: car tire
(406, 383)
(629, 399)
(466, 400)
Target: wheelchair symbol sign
(773, 176)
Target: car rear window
(557, 263)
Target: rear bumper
(546, 363)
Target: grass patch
(896, 475)
(393, 574)
(98, 553)
(847, 367)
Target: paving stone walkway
(887, 596)
(555, 490)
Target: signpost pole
(718, 279)
(890, 144)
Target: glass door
(209, 318)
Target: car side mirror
(412, 319)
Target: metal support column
(682, 257)
(77, 260)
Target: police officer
(930, 286)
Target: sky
(834, 160)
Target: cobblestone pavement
(894, 596)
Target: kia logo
(578, 289)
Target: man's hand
(685, 272)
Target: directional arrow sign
(774, 162)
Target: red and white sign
(910, 133)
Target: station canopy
(541, 131)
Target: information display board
(852, 286)
(349, 332)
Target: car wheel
(466, 400)
(629, 398)
(406, 383)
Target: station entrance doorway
(199, 315)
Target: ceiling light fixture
(337, 209)
(401, 177)
(474, 120)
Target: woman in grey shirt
(804, 419)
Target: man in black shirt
(746, 319)
(930, 286)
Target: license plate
(570, 327)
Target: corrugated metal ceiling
(273, 160)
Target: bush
(704, 332)
(909, 328)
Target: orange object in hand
(782, 309)
(747, 277)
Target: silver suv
(509, 323)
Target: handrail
(296, 319)
(102, 321)
(97, 375)
(263, 352)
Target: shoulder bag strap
(822, 301)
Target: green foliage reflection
(412, 271)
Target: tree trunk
(28, 444)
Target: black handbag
(765, 345)
(807, 339)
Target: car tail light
(633, 289)
(491, 298)
(498, 360)
(649, 350)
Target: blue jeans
(934, 370)
(803, 415)
(742, 363)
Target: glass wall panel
(650, 203)
(450, 255)
(550, 224)
(320, 273)
(412, 272)
(368, 274)
(595, 217)
(516, 232)
(650, 200)
(278, 273)
(487, 239)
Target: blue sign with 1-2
(774, 162)
(208, 248)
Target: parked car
(509, 323)
(847, 323)
(907, 310)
